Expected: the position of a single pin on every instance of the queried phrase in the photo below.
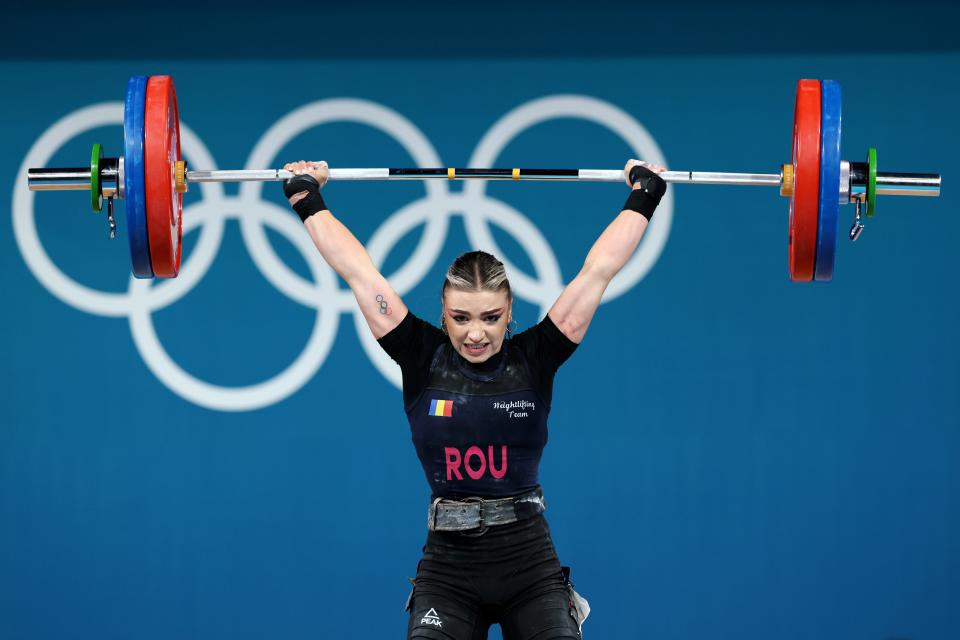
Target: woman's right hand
(318, 170)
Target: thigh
(436, 617)
(546, 615)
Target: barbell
(152, 177)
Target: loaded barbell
(151, 177)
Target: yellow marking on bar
(451, 173)
(516, 174)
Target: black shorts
(509, 576)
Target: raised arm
(381, 306)
(574, 309)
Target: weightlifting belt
(476, 514)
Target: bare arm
(380, 304)
(574, 309)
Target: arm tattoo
(384, 308)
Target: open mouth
(475, 349)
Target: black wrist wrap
(641, 202)
(645, 199)
(312, 202)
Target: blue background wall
(731, 455)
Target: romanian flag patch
(442, 408)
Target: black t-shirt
(413, 342)
(479, 429)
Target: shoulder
(411, 324)
(413, 337)
(544, 332)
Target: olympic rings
(323, 294)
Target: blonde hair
(477, 271)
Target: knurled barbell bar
(152, 177)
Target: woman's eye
(492, 318)
(459, 318)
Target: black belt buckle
(482, 527)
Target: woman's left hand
(656, 168)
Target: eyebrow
(485, 313)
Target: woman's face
(476, 321)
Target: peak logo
(431, 617)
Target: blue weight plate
(134, 187)
(829, 218)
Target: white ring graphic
(323, 294)
(264, 393)
(606, 115)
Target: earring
(443, 325)
(509, 330)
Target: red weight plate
(161, 150)
(805, 200)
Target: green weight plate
(96, 193)
(871, 181)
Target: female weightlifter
(477, 401)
